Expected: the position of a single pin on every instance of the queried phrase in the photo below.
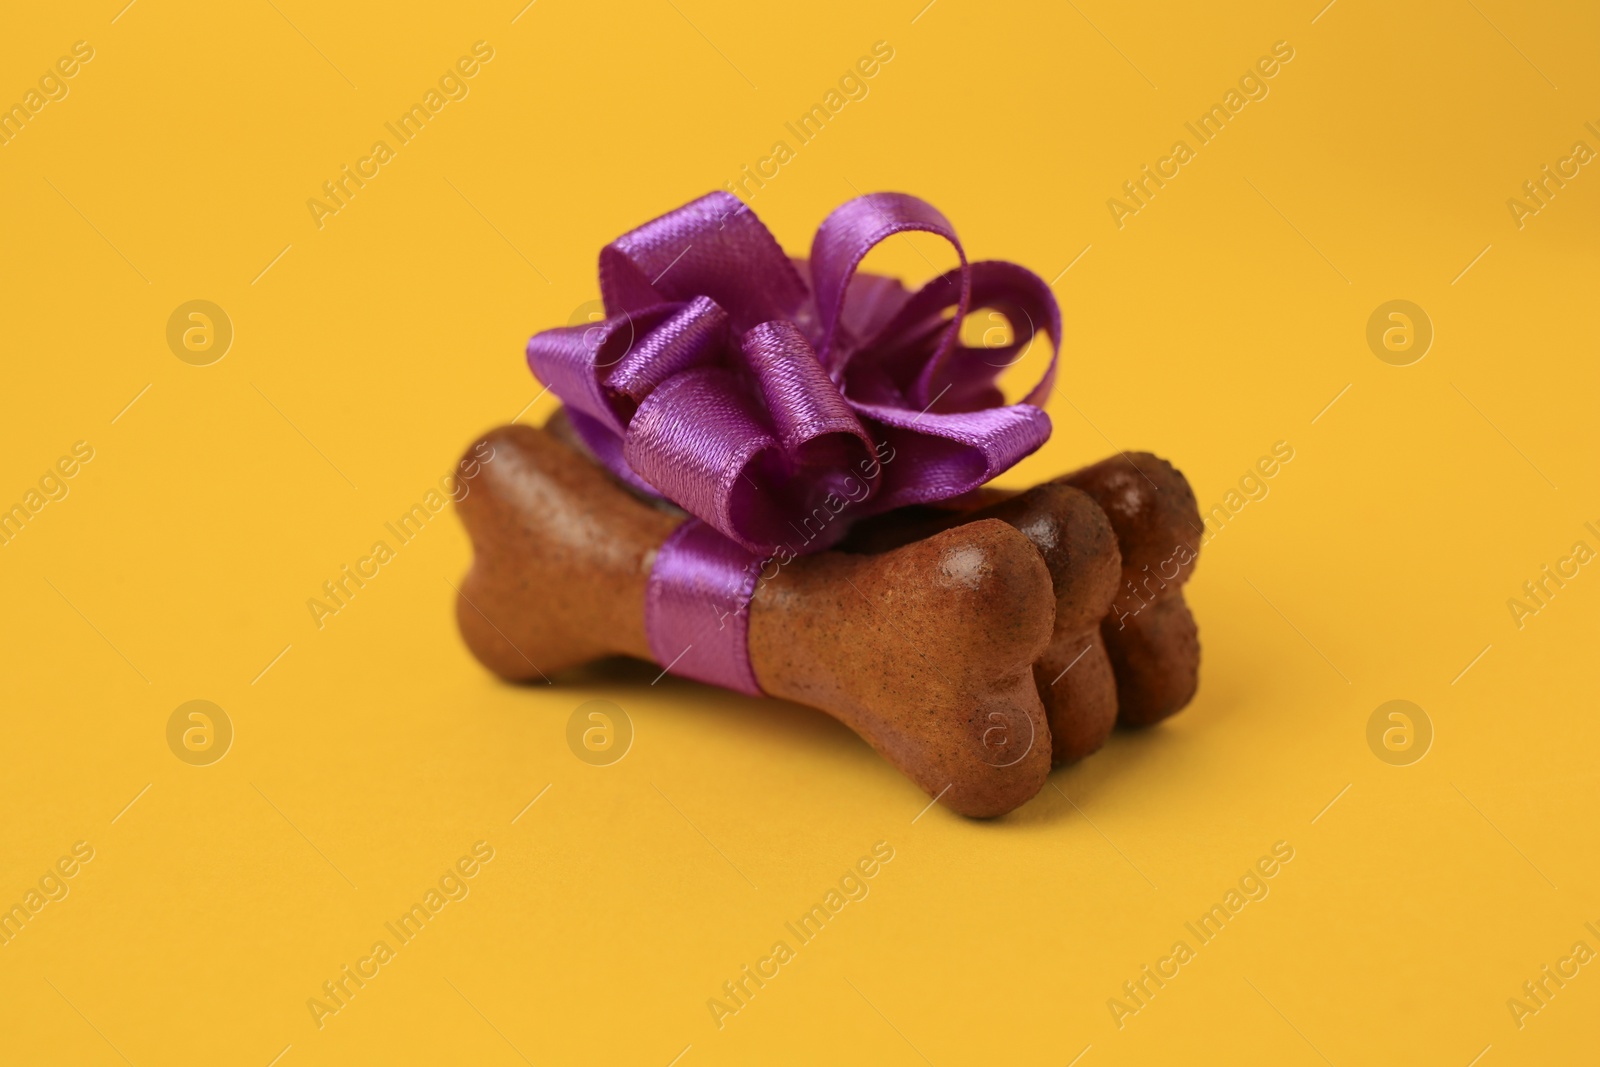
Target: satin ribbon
(768, 397)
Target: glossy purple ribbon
(766, 407)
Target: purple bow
(765, 408)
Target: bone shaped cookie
(926, 651)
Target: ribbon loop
(692, 336)
(843, 240)
(713, 246)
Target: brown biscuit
(1072, 534)
(1074, 675)
(1149, 632)
(926, 651)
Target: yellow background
(1222, 318)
